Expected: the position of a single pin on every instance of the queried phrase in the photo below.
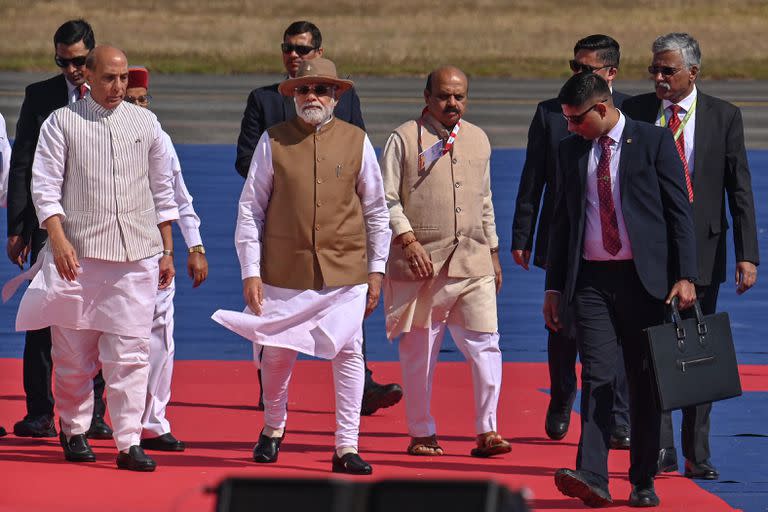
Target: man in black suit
(599, 54)
(621, 235)
(72, 42)
(711, 144)
(266, 107)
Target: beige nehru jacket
(314, 233)
(448, 206)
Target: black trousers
(38, 365)
(562, 348)
(611, 306)
(695, 431)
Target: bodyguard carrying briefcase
(694, 361)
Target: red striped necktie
(674, 124)
(83, 90)
(609, 224)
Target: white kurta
(314, 322)
(106, 296)
(162, 346)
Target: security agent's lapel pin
(338, 170)
(629, 141)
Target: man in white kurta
(443, 271)
(101, 185)
(156, 433)
(312, 237)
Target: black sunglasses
(578, 67)
(579, 118)
(664, 70)
(300, 49)
(319, 89)
(75, 61)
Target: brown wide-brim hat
(315, 71)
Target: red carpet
(213, 411)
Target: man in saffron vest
(312, 238)
(101, 186)
(444, 268)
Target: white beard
(315, 116)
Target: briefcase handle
(701, 326)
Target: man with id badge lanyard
(444, 266)
(709, 135)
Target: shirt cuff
(251, 270)
(400, 226)
(377, 266)
(46, 212)
(493, 241)
(191, 237)
(168, 214)
(553, 291)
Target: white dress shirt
(5, 163)
(593, 234)
(73, 91)
(689, 132)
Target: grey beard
(314, 116)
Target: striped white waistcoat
(109, 207)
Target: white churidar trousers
(419, 349)
(348, 380)
(124, 362)
(161, 352)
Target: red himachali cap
(138, 77)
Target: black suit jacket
(654, 203)
(40, 99)
(266, 107)
(720, 168)
(547, 129)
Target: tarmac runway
(207, 109)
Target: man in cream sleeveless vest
(101, 185)
(312, 238)
(444, 267)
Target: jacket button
(458, 233)
(455, 160)
(317, 227)
(458, 184)
(319, 203)
(458, 209)
(319, 180)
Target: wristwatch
(167, 252)
(197, 248)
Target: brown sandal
(424, 446)
(489, 444)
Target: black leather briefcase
(693, 360)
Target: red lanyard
(447, 145)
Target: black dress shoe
(351, 464)
(380, 396)
(3, 432)
(620, 438)
(35, 426)
(77, 448)
(701, 471)
(583, 485)
(163, 443)
(267, 449)
(557, 421)
(99, 429)
(667, 462)
(643, 497)
(135, 460)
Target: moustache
(451, 110)
(663, 85)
